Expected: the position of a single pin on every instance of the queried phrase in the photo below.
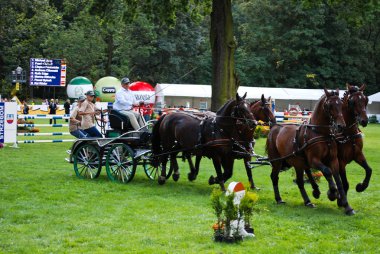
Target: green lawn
(45, 208)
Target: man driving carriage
(124, 102)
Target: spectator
(76, 120)
(52, 111)
(67, 106)
(25, 109)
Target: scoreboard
(47, 72)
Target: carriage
(121, 151)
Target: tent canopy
(204, 91)
(374, 97)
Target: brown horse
(213, 137)
(350, 143)
(261, 111)
(310, 146)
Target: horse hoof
(211, 180)
(361, 187)
(191, 177)
(310, 205)
(161, 180)
(255, 188)
(332, 195)
(175, 177)
(316, 194)
(350, 212)
(281, 202)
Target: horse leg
(332, 193)
(162, 177)
(192, 174)
(314, 185)
(343, 177)
(361, 160)
(174, 166)
(301, 186)
(276, 167)
(348, 209)
(198, 159)
(228, 166)
(218, 169)
(248, 169)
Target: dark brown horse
(213, 137)
(308, 146)
(261, 111)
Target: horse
(261, 111)
(350, 142)
(211, 137)
(312, 145)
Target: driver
(124, 102)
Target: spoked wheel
(87, 162)
(151, 171)
(120, 163)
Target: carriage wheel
(153, 172)
(87, 162)
(120, 164)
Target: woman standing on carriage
(88, 110)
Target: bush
(373, 119)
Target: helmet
(125, 80)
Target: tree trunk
(223, 44)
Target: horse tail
(156, 140)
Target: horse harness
(299, 147)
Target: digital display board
(47, 72)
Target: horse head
(242, 111)
(357, 104)
(261, 111)
(332, 108)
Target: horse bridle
(326, 109)
(235, 114)
(351, 102)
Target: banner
(8, 122)
(46, 72)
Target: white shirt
(124, 100)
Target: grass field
(44, 208)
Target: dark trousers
(51, 120)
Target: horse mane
(345, 96)
(321, 100)
(223, 108)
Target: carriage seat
(118, 121)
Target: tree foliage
(305, 44)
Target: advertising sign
(8, 122)
(46, 72)
(2, 123)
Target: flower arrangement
(26, 129)
(232, 218)
(261, 131)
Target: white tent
(374, 97)
(193, 95)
